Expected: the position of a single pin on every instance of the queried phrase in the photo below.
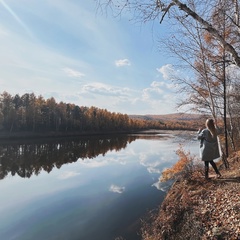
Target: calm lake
(95, 188)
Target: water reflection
(163, 186)
(99, 188)
(26, 159)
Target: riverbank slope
(195, 208)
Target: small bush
(184, 166)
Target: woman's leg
(215, 167)
(206, 163)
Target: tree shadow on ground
(228, 179)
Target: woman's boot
(206, 172)
(216, 170)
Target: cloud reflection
(153, 164)
(153, 170)
(104, 161)
(164, 186)
(116, 189)
(155, 161)
(68, 174)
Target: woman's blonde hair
(211, 127)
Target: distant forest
(31, 113)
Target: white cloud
(158, 91)
(116, 189)
(122, 62)
(104, 89)
(73, 73)
(167, 71)
(146, 101)
(152, 93)
(156, 84)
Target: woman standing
(209, 149)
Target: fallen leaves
(220, 211)
(199, 209)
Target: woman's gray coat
(209, 148)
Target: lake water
(87, 188)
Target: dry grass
(184, 167)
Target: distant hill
(172, 117)
(175, 120)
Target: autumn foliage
(184, 166)
(34, 114)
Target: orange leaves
(184, 164)
(208, 37)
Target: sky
(76, 53)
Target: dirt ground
(195, 208)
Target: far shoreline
(7, 136)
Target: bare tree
(187, 43)
(175, 9)
(206, 39)
(207, 57)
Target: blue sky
(71, 51)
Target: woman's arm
(200, 134)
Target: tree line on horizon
(31, 113)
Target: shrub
(183, 167)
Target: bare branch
(165, 10)
(210, 29)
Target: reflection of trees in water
(26, 159)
